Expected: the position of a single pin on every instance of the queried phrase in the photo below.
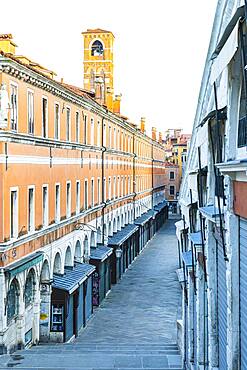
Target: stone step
(91, 368)
(74, 360)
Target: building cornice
(28, 75)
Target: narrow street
(135, 327)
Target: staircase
(86, 356)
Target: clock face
(97, 49)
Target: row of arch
(62, 259)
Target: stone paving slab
(135, 328)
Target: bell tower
(98, 64)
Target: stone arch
(93, 240)
(99, 235)
(78, 256)
(45, 273)
(105, 230)
(68, 260)
(110, 229)
(85, 248)
(29, 289)
(126, 217)
(114, 225)
(57, 265)
(118, 222)
(122, 220)
(129, 216)
(13, 297)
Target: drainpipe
(102, 181)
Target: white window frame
(173, 175)
(45, 208)
(14, 85)
(57, 202)
(68, 199)
(31, 225)
(110, 136)
(99, 133)
(78, 196)
(85, 128)
(99, 190)
(58, 123)
(29, 91)
(104, 185)
(114, 187)
(14, 219)
(85, 196)
(92, 192)
(170, 190)
(109, 187)
(42, 116)
(114, 138)
(77, 126)
(92, 131)
(68, 130)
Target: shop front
(144, 223)
(124, 244)
(162, 214)
(100, 257)
(71, 301)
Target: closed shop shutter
(222, 307)
(243, 290)
(80, 307)
(69, 318)
(89, 298)
(107, 274)
(195, 330)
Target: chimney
(117, 104)
(160, 138)
(99, 90)
(143, 125)
(6, 43)
(154, 133)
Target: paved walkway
(135, 327)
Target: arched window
(12, 300)
(97, 48)
(29, 289)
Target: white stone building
(212, 233)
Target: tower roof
(96, 30)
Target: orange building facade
(73, 173)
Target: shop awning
(145, 217)
(101, 252)
(187, 258)
(180, 275)
(196, 238)
(161, 206)
(228, 30)
(24, 264)
(122, 235)
(227, 45)
(210, 212)
(72, 278)
(180, 227)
